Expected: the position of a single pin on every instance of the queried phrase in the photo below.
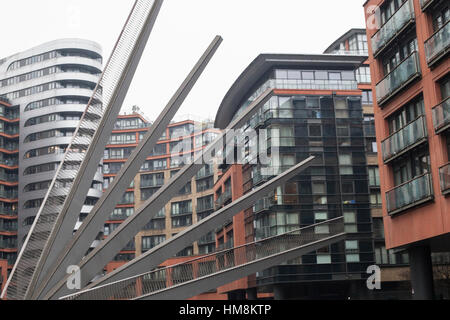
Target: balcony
(410, 194)
(8, 212)
(444, 174)
(396, 24)
(441, 116)
(8, 244)
(267, 203)
(205, 172)
(425, 4)
(437, 46)
(266, 173)
(204, 207)
(152, 183)
(9, 194)
(405, 139)
(8, 228)
(262, 205)
(9, 162)
(402, 75)
(223, 198)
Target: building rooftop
(265, 62)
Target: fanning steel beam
(186, 279)
(79, 245)
(108, 248)
(195, 287)
(54, 223)
(154, 257)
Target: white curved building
(52, 84)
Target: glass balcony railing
(262, 204)
(409, 194)
(425, 4)
(8, 212)
(441, 116)
(8, 244)
(9, 194)
(404, 139)
(444, 174)
(9, 162)
(267, 203)
(149, 183)
(9, 177)
(8, 228)
(438, 44)
(204, 173)
(396, 23)
(312, 84)
(403, 74)
(224, 197)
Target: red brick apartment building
(409, 42)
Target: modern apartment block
(316, 110)
(193, 203)
(394, 266)
(408, 54)
(9, 153)
(51, 85)
(322, 106)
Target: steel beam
(154, 257)
(108, 248)
(198, 286)
(79, 245)
(115, 80)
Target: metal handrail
(397, 66)
(160, 279)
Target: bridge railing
(211, 264)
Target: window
(205, 203)
(321, 217)
(183, 221)
(375, 199)
(315, 130)
(343, 131)
(323, 256)
(371, 146)
(312, 103)
(363, 75)
(441, 17)
(152, 180)
(205, 184)
(152, 241)
(374, 177)
(345, 159)
(367, 97)
(180, 208)
(128, 198)
(282, 137)
(348, 187)
(147, 193)
(334, 75)
(308, 75)
(407, 114)
(345, 162)
(350, 222)
(319, 187)
(351, 250)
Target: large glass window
(152, 241)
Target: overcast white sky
(182, 32)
